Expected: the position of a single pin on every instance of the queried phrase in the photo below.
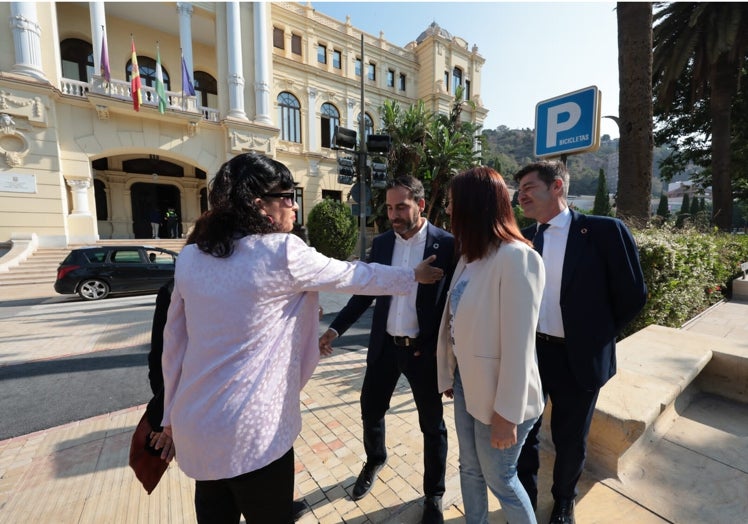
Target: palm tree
(710, 41)
(635, 110)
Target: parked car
(95, 272)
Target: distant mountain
(508, 150)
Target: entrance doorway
(147, 199)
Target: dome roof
(434, 29)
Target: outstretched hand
(428, 274)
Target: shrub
(332, 229)
(686, 271)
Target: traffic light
(346, 172)
(378, 173)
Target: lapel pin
(584, 230)
(436, 245)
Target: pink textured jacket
(241, 341)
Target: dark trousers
(571, 414)
(379, 383)
(262, 496)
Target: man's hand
(325, 341)
(503, 432)
(449, 393)
(428, 274)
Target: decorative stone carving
(13, 145)
(7, 124)
(32, 109)
(242, 142)
(102, 112)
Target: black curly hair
(234, 213)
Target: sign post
(568, 123)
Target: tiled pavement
(78, 472)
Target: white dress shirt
(550, 321)
(402, 318)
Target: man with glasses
(403, 341)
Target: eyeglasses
(288, 199)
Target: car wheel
(93, 290)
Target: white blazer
(494, 333)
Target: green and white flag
(160, 83)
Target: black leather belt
(405, 342)
(550, 338)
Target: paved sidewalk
(78, 472)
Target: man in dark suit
(403, 341)
(594, 287)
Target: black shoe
(300, 508)
(563, 512)
(432, 511)
(365, 480)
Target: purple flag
(105, 71)
(187, 86)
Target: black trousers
(379, 383)
(571, 415)
(263, 496)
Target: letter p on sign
(571, 113)
(568, 123)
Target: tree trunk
(723, 83)
(635, 111)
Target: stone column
(27, 40)
(263, 64)
(236, 73)
(311, 120)
(349, 119)
(185, 37)
(80, 195)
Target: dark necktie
(537, 241)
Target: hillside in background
(508, 150)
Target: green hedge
(686, 271)
(332, 229)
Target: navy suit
(602, 290)
(385, 362)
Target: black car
(95, 272)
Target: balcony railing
(120, 90)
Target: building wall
(54, 130)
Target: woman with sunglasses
(241, 340)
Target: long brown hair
(482, 215)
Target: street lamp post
(362, 164)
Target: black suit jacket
(429, 300)
(602, 290)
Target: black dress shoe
(563, 512)
(432, 511)
(365, 480)
(300, 508)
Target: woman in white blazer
(486, 349)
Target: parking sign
(568, 123)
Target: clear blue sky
(534, 51)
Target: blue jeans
(482, 465)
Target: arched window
(77, 59)
(330, 119)
(289, 117)
(456, 79)
(368, 124)
(102, 211)
(147, 68)
(206, 89)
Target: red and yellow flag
(135, 85)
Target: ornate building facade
(79, 163)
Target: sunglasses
(288, 199)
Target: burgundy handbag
(145, 461)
